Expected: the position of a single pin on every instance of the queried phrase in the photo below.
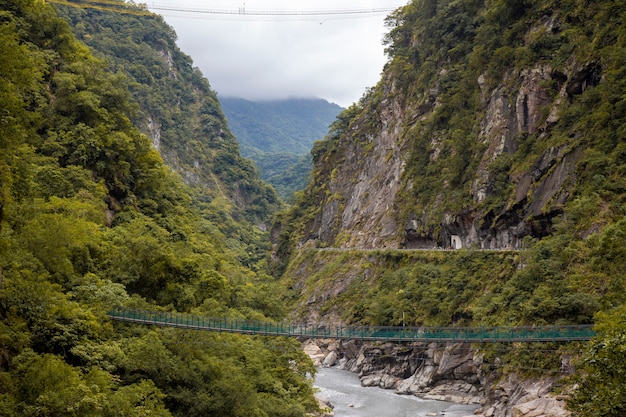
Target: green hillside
(277, 126)
(91, 218)
(177, 109)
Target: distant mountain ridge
(278, 136)
(276, 126)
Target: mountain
(177, 108)
(279, 126)
(497, 128)
(278, 136)
(476, 140)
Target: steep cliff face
(471, 139)
(497, 124)
(368, 185)
(361, 180)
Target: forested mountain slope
(90, 218)
(290, 125)
(278, 136)
(177, 109)
(288, 173)
(489, 124)
(496, 125)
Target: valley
(479, 184)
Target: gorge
(497, 131)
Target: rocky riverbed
(453, 372)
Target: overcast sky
(335, 57)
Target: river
(343, 389)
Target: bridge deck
(393, 334)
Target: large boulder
(540, 407)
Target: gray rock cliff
(365, 203)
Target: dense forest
(121, 185)
(177, 109)
(91, 217)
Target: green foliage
(438, 290)
(176, 107)
(541, 286)
(91, 218)
(48, 386)
(601, 388)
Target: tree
(602, 388)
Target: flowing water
(343, 389)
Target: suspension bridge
(558, 333)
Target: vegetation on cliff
(473, 147)
(508, 119)
(91, 217)
(456, 48)
(602, 391)
(177, 109)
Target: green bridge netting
(563, 333)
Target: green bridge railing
(380, 333)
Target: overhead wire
(245, 12)
(225, 14)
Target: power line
(241, 12)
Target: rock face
(366, 179)
(363, 187)
(462, 144)
(364, 183)
(452, 372)
(516, 397)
